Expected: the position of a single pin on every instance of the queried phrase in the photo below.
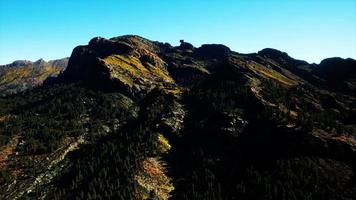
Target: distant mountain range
(131, 118)
(23, 74)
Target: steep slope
(131, 118)
(21, 75)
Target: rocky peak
(59, 63)
(130, 63)
(273, 53)
(18, 63)
(212, 51)
(337, 74)
(103, 47)
(337, 68)
(40, 62)
(282, 61)
(185, 45)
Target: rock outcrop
(128, 63)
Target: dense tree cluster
(106, 169)
(45, 116)
(260, 160)
(231, 145)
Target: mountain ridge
(23, 74)
(132, 118)
(123, 45)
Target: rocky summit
(131, 118)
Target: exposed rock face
(23, 74)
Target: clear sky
(306, 29)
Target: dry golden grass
(153, 178)
(7, 150)
(176, 91)
(270, 73)
(163, 74)
(130, 70)
(163, 144)
(18, 76)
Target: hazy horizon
(306, 30)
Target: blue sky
(306, 29)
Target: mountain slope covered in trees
(131, 118)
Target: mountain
(131, 118)
(22, 74)
(337, 74)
